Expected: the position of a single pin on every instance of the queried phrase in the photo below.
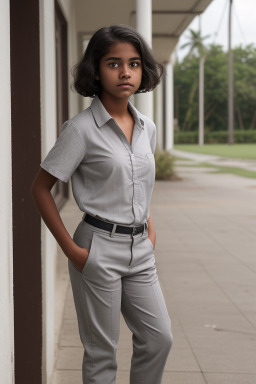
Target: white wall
(48, 138)
(68, 8)
(6, 250)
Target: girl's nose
(125, 74)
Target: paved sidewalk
(206, 262)
(216, 160)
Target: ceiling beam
(168, 12)
(166, 35)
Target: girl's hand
(151, 229)
(152, 238)
(78, 256)
(41, 193)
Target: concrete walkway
(217, 160)
(206, 262)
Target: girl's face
(120, 71)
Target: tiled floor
(206, 262)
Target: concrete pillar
(85, 101)
(169, 101)
(144, 102)
(159, 115)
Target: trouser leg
(109, 276)
(97, 296)
(98, 314)
(145, 313)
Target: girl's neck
(116, 108)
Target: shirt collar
(138, 117)
(102, 116)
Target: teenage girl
(108, 151)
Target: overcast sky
(214, 21)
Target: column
(169, 126)
(26, 156)
(159, 115)
(85, 101)
(144, 102)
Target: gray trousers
(119, 276)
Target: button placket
(135, 186)
(129, 147)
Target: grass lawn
(235, 151)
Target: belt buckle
(134, 230)
(113, 230)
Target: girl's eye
(113, 65)
(135, 64)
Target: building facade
(40, 41)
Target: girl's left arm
(151, 229)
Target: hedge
(218, 137)
(164, 166)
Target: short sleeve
(66, 154)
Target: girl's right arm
(41, 192)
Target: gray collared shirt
(110, 178)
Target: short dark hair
(98, 46)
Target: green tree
(195, 44)
(197, 47)
(186, 101)
(216, 89)
(245, 86)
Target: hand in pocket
(79, 257)
(152, 240)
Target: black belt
(110, 227)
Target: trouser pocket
(83, 237)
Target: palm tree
(197, 47)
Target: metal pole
(201, 101)
(201, 93)
(230, 82)
(169, 135)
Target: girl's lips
(125, 85)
